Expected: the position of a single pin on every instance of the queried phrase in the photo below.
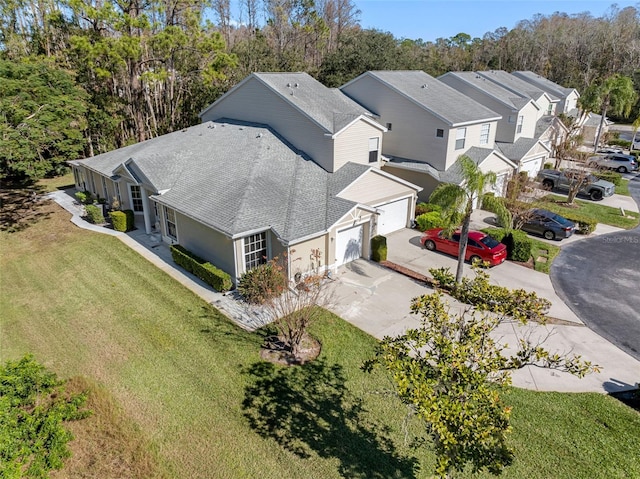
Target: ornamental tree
(450, 372)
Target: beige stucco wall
(374, 188)
(255, 102)
(303, 258)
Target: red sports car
(479, 247)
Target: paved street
(599, 278)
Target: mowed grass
(190, 391)
(591, 209)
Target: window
(117, 188)
(136, 198)
(389, 126)
(461, 133)
(550, 109)
(484, 133)
(105, 192)
(373, 149)
(439, 133)
(255, 250)
(170, 220)
(519, 124)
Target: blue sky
(431, 19)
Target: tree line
(78, 78)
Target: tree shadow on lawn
(308, 408)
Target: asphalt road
(599, 279)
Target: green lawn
(592, 209)
(623, 188)
(192, 386)
(543, 254)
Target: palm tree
(616, 94)
(460, 199)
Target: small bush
(519, 304)
(433, 219)
(620, 142)
(81, 196)
(519, 245)
(118, 220)
(123, 220)
(379, 248)
(548, 166)
(204, 270)
(612, 176)
(262, 283)
(422, 208)
(94, 214)
(584, 224)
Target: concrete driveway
(377, 301)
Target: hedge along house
(238, 194)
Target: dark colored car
(480, 247)
(549, 225)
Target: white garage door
(393, 216)
(348, 245)
(532, 167)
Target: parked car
(595, 188)
(549, 225)
(480, 246)
(610, 149)
(615, 161)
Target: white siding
(255, 102)
(413, 131)
(472, 138)
(353, 144)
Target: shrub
(199, 267)
(118, 220)
(81, 196)
(94, 214)
(612, 176)
(477, 291)
(422, 208)
(519, 245)
(433, 219)
(620, 142)
(548, 166)
(123, 220)
(262, 283)
(379, 248)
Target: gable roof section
(519, 150)
(502, 95)
(547, 85)
(238, 178)
(516, 85)
(437, 98)
(478, 156)
(546, 122)
(328, 108)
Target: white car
(610, 149)
(615, 161)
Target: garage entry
(349, 244)
(532, 167)
(393, 216)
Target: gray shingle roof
(499, 93)
(518, 150)
(328, 107)
(239, 177)
(513, 83)
(547, 85)
(436, 97)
